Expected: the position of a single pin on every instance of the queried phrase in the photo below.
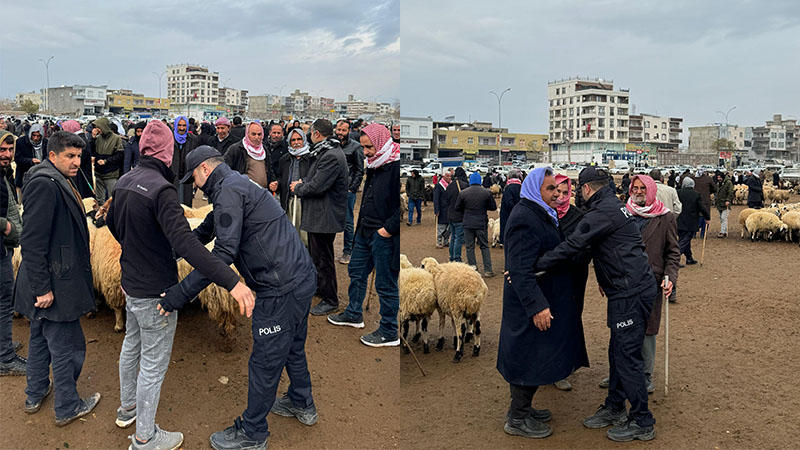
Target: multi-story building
(354, 109)
(479, 141)
(192, 89)
(415, 137)
(37, 98)
(123, 101)
(588, 120)
(701, 141)
(778, 140)
(232, 101)
(77, 100)
(650, 137)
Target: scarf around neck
(563, 207)
(304, 150)
(653, 207)
(531, 190)
(256, 153)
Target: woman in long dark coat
(531, 355)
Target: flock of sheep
(771, 223)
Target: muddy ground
(355, 387)
(733, 360)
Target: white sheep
(494, 232)
(460, 291)
(417, 301)
(792, 221)
(743, 215)
(763, 224)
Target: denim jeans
(6, 306)
(280, 326)
(723, 220)
(348, 224)
(701, 222)
(470, 235)
(442, 233)
(374, 251)
(456, 240)
(103, 188)
(63, 345)
(144, 360)
(414, 203)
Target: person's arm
(522, 250)
(40, 196)
(23, 162)
(205, 231)
(358, 169)
(437, 200)
(677, 206)
(594, 226)
(118, 155)
(327, 171)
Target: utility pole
(47, 92)
(499, 123)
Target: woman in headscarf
(292, 166)
(541, 337)
(184, 143)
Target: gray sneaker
(323, 308)
(527, 427)
(87, 405)
(162, 440)
(345, 259)
(32, 406)
(234, 438)
(376, 339)
(284, 407)
(650, 386)
(606, 417)
(14, 367)
(125, 417)
(630, 431)
(605, 382)
(343, 320)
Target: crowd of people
(281, 192)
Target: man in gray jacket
(324, 198)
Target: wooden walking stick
(369, 288)
(703, 253)
(666, 336)
(413, 354)
(294, 211)
(436, 229)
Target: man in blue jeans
(253, 232)
(415, 190)
(377, 242)
(458, 184)
(355, 168)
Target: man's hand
(36, 160)
(508, 276)
(382, 231)
(602, 294)
(244, 296)
(542, 319)
(7, 231)
(44, 301)
(667, 288)
(102, 162)
(295, 183)
(173, 299)
(273, 186)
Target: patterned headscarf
(388, 150)
(653, 207)
(563, 207)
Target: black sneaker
(376, 339)
(284, 407)
(323, 308)
(691, 262)
(234, 438)
(345, 259)
(527, 427)
(606, 417)
(650, 386)
(344, 320)
(629, 431)
(542, 415)
(32, 406)
(87, 405)
(14, 367)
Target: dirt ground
(355, 387)
(733, 360)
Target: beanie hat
(475, 178)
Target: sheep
(792, 221)
(198, 213)
(460, 291)
(404, 262)
(495, 190)
(761, 223)
(494, 231)
(743, 214)
(404, 201)
(107, 273)
(780, 195)
(417, 301)
(740, 194)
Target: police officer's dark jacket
(253, 232)
(620, 261)
(147, 220)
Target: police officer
(625, 277)
(253, 232)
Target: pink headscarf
(71, 126)
(563, 206)
(256, 153)
(388, 150)
(156, 141)
(652, 206)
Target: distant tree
(723, 145)
(29, 107)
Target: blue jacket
(253, 232)
(131, 154)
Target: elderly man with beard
(276, 146)
(10, 230)
(224, 138)
(184, 142)
(31, 150)
(377, 241)
(324, 196)
(541, 335)
(292, 167)
(249, 157)
(354, 154)
(108, 153)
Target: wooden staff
(703, 253)
(666, 336)
(414, 355)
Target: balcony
(675, 129)
(675, 141)
(635, 139)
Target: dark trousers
(348, 224)
(320, 246)
(280, 325)
(371, 250)
(414, 203)
(685, 243)
(6, 306)
(701, 223)
(521, 399)
(627, 318)
(482, 236)
(62, 345)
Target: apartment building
(778, 140)
(479, 141)
(192, 89)
(415, 137)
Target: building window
(664, 125)
(571, 111)
(600, 134)
(571, 99)
(647, 124)
(423, 130)
(601, 123)
(663, 137)
(647, 136)
(601, 110)
(442, 139)
(455, 140)
(405, 130)
(611, 134)
(470, 141)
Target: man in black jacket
(237, 132)
(224, 137)
(324, 197)
(276, 145)
(625, 277)
(474, 202)
(54, 283)
(688, 220)
(108, 155)
(147, 220)
(440, 209)
(455, 218)
(755, 190)
(31, 150)
(132, 148)
(377, 241)
(253, 232)
(354, 154)
(10, 230)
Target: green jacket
(415, 187)
(108, 146)
(724, 194)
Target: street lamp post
(726, 114)
(499, 123)
(159, 75)
(47, 92)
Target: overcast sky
(324, 48)
(678, 58)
